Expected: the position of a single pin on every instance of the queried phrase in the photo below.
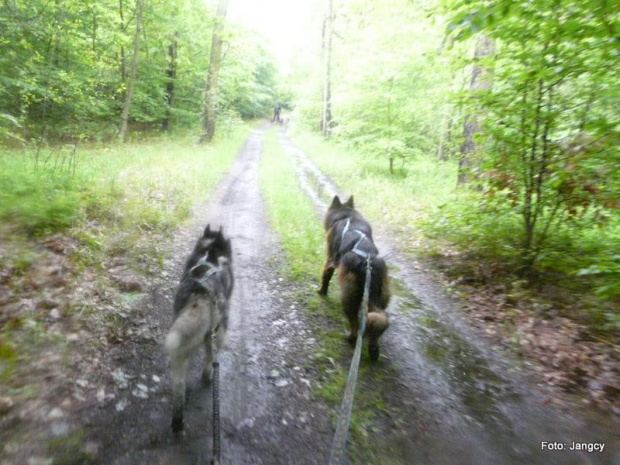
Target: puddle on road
(454, 360)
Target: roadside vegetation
(150, 185)
(82, 212)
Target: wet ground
(450, 397)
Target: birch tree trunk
(210, 109)
(123, 71)
(171, 73)
(326, 120)
(132, 74)
(481, 80)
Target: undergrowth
(149, 185)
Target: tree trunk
(481, 80)
(94, 38)
(123, 72)
(172, 75)
(213, 73)
(132, 75)
(328, 29)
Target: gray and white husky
(200, 311)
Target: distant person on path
(276, 114)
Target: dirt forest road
(266, 413)
(452, 401)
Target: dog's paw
(373, 352)
(321, 292)
(351, 338)
(177, 425)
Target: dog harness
(202, 281)
(362, 238)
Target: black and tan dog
(200, 310)
(349, 244)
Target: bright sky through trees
(287, 26)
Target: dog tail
(376, 324)
(173, 341)
(379, 285)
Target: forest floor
(98, 388)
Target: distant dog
(200, 309)
(349, 243)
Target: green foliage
(8, 358)
(608, 267)
(64, 68)
(135, 186)
(386, 80)
(41, 199)
(8, 124)
(292, 214)
(398, 198)
(550, 130)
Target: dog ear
(336, 202)
(349, 203)
(221, 230)
(207, 230)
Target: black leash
(339, 444)
(202, 283)
(216, 404)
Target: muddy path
(459, 399)
(267, 412)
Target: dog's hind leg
(179, 370)
(328, 269)
(351, 294)
(328, 272)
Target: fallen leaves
(568, 359)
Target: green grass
(397, 199)
(150, 186)
(122, 200)
(8, 359)
(301, 234)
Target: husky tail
(176, 346)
